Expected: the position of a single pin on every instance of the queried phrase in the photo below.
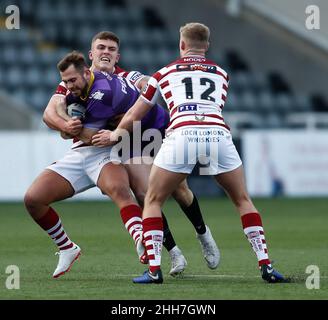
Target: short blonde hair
(195, 34)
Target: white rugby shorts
(81, 166)
(211, 147)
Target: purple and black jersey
(110, 96)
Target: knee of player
(117, 191)
(30, 200)
(152, 198)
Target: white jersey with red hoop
(194, 89)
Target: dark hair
(74, 58)
(106, 35)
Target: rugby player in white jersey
(104, 55)
(195, 90)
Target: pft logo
(188, 107)
(312, 22)
(13, 19)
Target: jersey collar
(90, 83)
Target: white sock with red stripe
(153, 238)
(51, 223)
(132, 218)
(254, 232)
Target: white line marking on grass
(206, 276)
(190, 276)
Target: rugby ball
(76, 110)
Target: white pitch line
(184, 276)
(204, 276)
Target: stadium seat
(146, 57)
(247, 101)
(64, 13)
(146, 45)
(134, 17)
(301, 103)
(28, 55)
(86, 33)
(162, 57)
(239, 81)
(265, 102)
(130, 59)
(154, 38)
(50, 32)
(124, 35)
(47, 58)
(38, 99)
(283, 103)
(115, 16)
(257, 82)
(34, 77)
(273, 120)
(51, 78)
(20, 93)
(232, 102)
(15, 77)
(10, 55)
(138, 38)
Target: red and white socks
(51, 223)
(153, 238)
(253, 229)
(132, 218)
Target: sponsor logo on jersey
(135, 76)
(189, 59)
(195, 67)
(98, 95)
(187, 107)
(200, 117)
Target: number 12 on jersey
(205, 82)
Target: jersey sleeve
(61, 89)
(134, 77)
(151, 92)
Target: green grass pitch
(296, 233)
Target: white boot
(66, 260)
(178, 261)
(209, 248)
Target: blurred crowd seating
(50, 29)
